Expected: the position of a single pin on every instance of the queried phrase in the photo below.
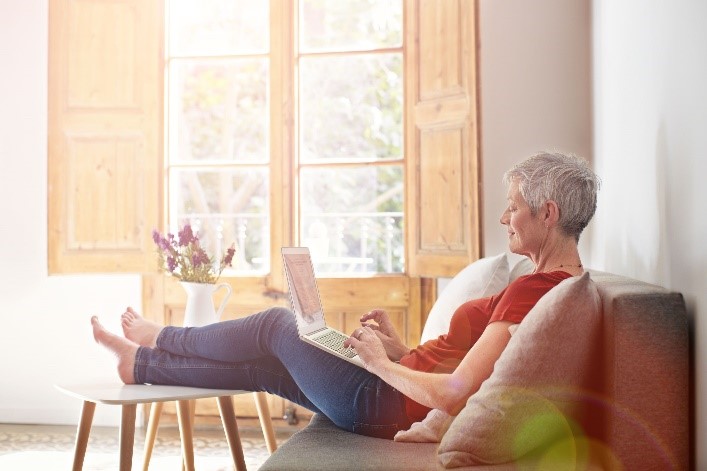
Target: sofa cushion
(528, 402)
(322, 445)
(479, 279)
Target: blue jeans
(263, 352)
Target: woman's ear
(551, 213)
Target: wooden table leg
(261, 404)
(151, 433)
(192, 417)
(82, 433)
(230, 426)
(185, 431)
(127, 436)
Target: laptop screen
(303, 289)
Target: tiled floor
(48, 447)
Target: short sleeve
(521, 295)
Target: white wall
(46, 337)
(535, 91)
(650, 75)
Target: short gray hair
(565, 179)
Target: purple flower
(184, 258)
(199, 257)
(161, 242)
(171, 263)
(186, 236)
(228, 258)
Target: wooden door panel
(442, 163)
(104, 125)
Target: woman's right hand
(385, 331)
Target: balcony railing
(342, 244)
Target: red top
(443, 354)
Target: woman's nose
(504, 217)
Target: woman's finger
(370, 326)
(352, 341)
(375, 315)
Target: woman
(551, 199)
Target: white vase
(200, 303)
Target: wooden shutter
(443, 203)
(105, 121)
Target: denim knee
(278, 316)
(279, 312)
(276, 320)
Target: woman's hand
(385, 331)
(368, 347)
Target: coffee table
(128, 396)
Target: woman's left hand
(368, 347)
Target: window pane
(225, 206)
(350, 25)
(351, 107)
(217, 27)
(219, 110)
(352, 219)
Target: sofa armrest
(646, 377)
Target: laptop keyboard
(335, 341)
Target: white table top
(116, 393)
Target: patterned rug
(26, 448)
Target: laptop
(307, 306)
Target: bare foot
(123, 349)
(138, 329)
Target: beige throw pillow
(528, 403)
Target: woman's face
(525, 231)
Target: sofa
(608, 393)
